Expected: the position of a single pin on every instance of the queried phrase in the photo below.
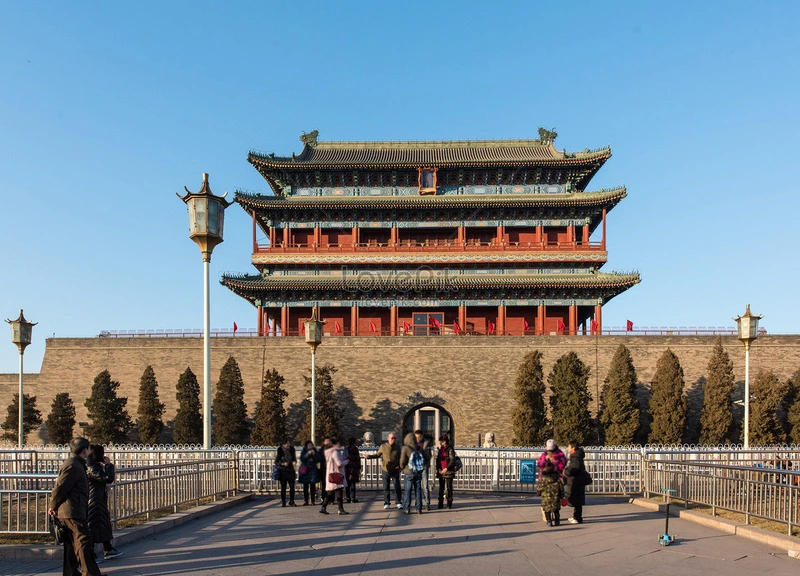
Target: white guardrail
(760, 482)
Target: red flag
(302, 328)
(560, 326)
(525, 325)
(406, 327)
(629, 326)
(593, 326)
(372, 327)
(433, 321)
(491, 327)
(235, 327)
(338, 328)
(456, 329)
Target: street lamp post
(314, 338)
(747, 326)
(206, 220)
(21, 332)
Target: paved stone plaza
(482, 534)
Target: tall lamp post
(747, 326)
(206, 219)
(21, 332)
(314, 339)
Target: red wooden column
(598, 317)
(286, 237)
(255, 245)
(540, 234)
(499, 239)
(501, 320)
(272, 236)
(540, 312)
(285, 320)
(462, 235)
(395, 236)
(393, 320)
(317, 237)
(585, 234)
(603, 240)
(354, 320)
(462, 317)
(260, 322)
(573, 319)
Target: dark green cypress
(188, 426)
(619, 410)
(329, 414)
(530, 415)
(110, 421)
(767, 392)
(569, 400)
(716, 418)
(793, 409)
(150, 410)
(230, 424)
(31, 418)
(270, 418)
(668, 404)
(61, 420)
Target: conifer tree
(530, 415)
(328, 412)
(270, 418)
(767, 392)
(668, 405)
(230, 412)
(716, 418)
(793, 409)
(150, 410)
(188, 426)
(61, 420)
(31, 418)
(569, 399)
(619, 411)
(110, 421)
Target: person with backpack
(446, 470)
(424, 445)
(413, 464)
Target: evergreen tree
(667, 413)
(150, 411)
(530, 415)
(31, 418)
(767, 393)
(716, 418)
(188, 426)
(109, 417)
(328, 412)
(270, 418)
(793, 409)
(569, 399)
(61, 420)
(230, 412)
(619, 411)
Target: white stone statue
(488, 440)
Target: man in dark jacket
(389, 452)
(425, 446)
(413, 476)
(70, 502)
(575, 481)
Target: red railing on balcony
(410, 246)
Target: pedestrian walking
(352, 469)
(69, 501)
(446, 470)
(285, 460)
(335, 481)
(413, 464)
(575, 481)
(424, 445)
(100, 473)
(550, 491)
(389, 453)
(308, 474)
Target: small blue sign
(527, 471)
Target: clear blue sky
(108, 109)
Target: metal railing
(137, 491)
(755, 492)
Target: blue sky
(107, 110)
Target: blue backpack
(417, 463)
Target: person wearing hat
(69, 500)
(553, 453)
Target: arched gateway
(432, 419)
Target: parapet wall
(471, 377)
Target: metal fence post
(147, 495)
(496, 471)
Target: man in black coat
(575, 481)
(70, 502)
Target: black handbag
(58, 530)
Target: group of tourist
(338, 472)
(79, 501)
(562, 480)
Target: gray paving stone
(482, 534)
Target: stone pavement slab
(482, 534)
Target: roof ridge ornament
(310, 139)
(547, 136)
